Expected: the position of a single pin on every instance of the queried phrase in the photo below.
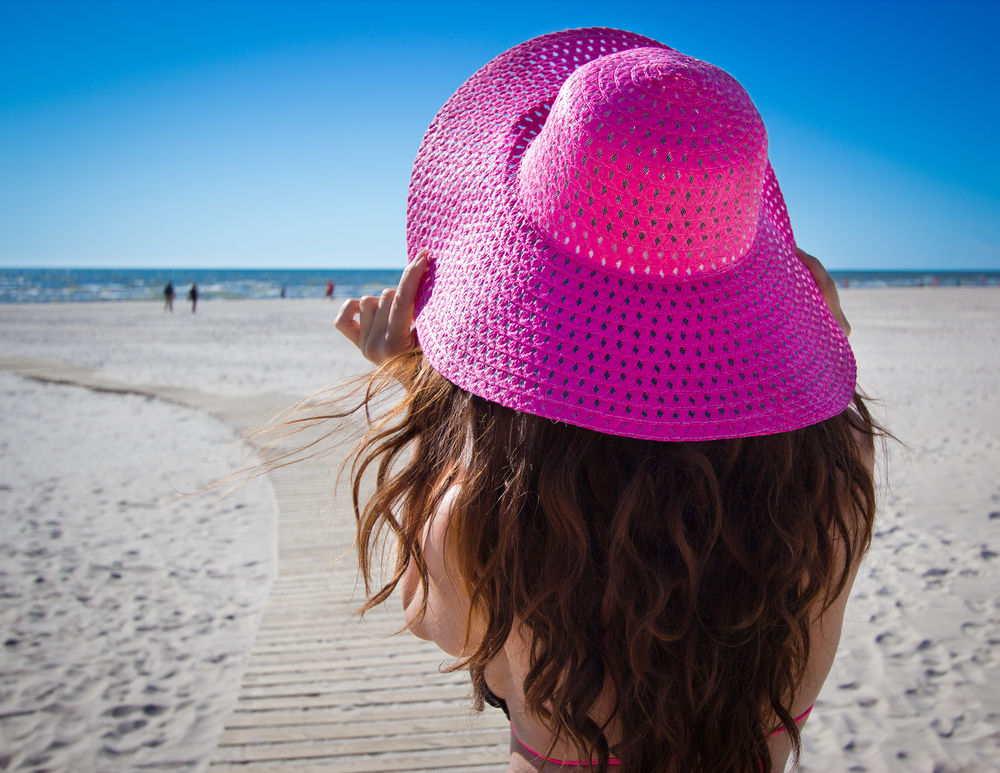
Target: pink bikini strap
(798, 719)
(573, 763)
(613, 761)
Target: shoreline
(30, 286)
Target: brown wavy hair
(684, 575)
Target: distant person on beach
(628, 484)
(282, 291)
(168, 297)
(330, 286)
(193, 297)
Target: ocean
(54, 285)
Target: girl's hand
(384, 325)
(827, 287)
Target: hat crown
(650, 162)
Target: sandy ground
(916, 686)
(126, 613)
(227, 348)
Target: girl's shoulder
(438, 609)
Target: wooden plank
(354, 730)
(290, 665)
(341, 679)
(426, 760)
(374, 698)
(352, 715)
(360, 683)
(324, 653)
(348, 747)
(458, 764)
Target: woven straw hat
(609, 248)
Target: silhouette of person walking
(193, 297)
(330, 287)
(168, 297)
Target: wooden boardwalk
(323, 691)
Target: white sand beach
(916, 685)
(127, 615)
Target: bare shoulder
(438, 610)
(434, 542)
(826, 628)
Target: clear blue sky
(281, 135)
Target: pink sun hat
(609, 248)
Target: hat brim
(741, 350)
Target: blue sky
(281, 135)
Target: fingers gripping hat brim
(674, 309)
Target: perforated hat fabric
(609, 248)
